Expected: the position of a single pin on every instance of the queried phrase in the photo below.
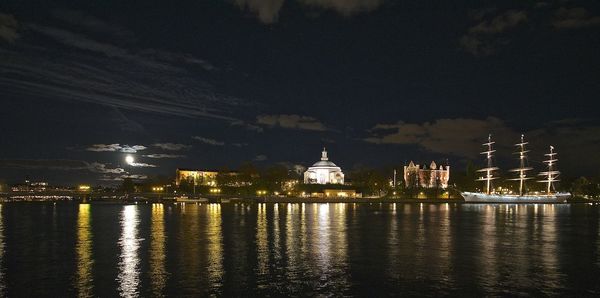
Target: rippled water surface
(108, 250)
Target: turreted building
(432, 177)
(324, 172)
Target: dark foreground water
(106, 250)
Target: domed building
(324, 172)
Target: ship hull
(475, 197)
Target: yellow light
(84, 187)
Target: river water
(106, 250)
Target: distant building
(324, 172)
(197, 177)
(434, 177)
(31, 186)
(204, 177)
(340, 193)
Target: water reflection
(215, 246)
(85, 262)
(129, 265)
(547, 248)
(158, 273)
(262, 249)
(2, 282)
(310, 249)
(330, 248)
(488, 241)
(527, 236)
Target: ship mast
(551, 175)
(522, 169)
(489, 170)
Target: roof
(324, 163)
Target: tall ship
(491, 195)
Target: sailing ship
(490, 195)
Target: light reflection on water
(129, 265)
(2, 281)
(158, 273)
(303, 249)
(85, 262)
(215, 247)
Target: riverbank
(250, 200)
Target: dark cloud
(133, 176)
(147, 80)
(172, 146)
(267, 11)
(459, 137)
(48, 164)
(160, 156)
(8, 27)
(260, 157)
(483, 38)
(208, 141)
(247, 126)
(93, 24)
(122, 177)
(97, 167)
(292, 122)
(125, 123)
(577, 17)
(142, 165)
(576, 141)
(116, 148)
(59, 165)
(345, 7)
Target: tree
(369, 181)
(128, 186)
(248, 173)
(274, 176)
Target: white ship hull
(475, 197)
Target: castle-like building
(324, 172)
(434, 177)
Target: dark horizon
(211, 84)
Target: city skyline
(215, 84)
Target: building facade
(324, 172)
(196, 177)
(432, 177)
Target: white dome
(324, 172)
(324, 163)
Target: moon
(129, 159)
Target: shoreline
(258, 200)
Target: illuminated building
(324, 172)
(197, 177)
(206, 177)
(31, 186)
(432, 177)
(340, 193)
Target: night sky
(211, 84)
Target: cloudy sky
(211, 84)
